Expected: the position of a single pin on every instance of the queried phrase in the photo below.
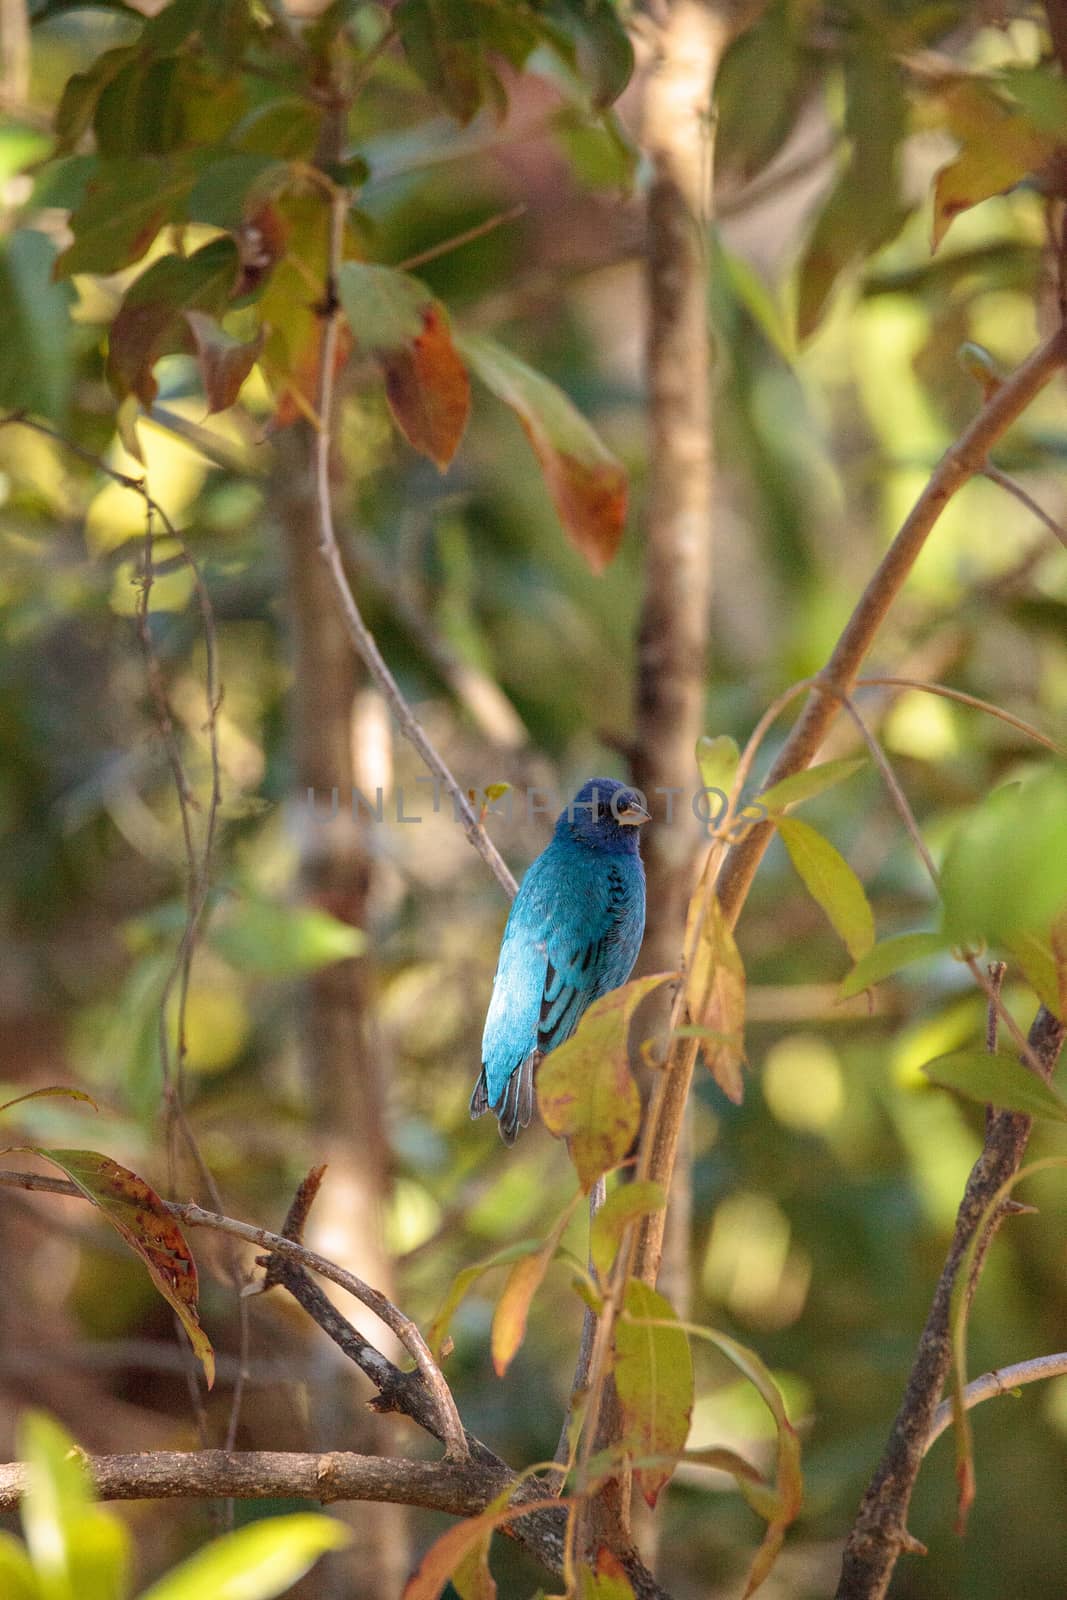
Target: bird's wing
(591, 945)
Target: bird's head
(606, 814)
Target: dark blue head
(606, 815)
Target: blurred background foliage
(822, 1205)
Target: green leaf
(17, 1581)
(585, 1090)
(395, 318)
(523, 1282)
(587, 484)
(623, 1206)
(654, 1380)
(832, 883)
(257, 1562)
(999, 148)
(272, 941)
(52, 1091)
(463, 1549)
(1005, 871)
(442, 42)
(605, 56)
(77, 104)
(806, 785)
(139, 1215)
(35, 355)
(889, 957)
(998, 1080)
(717, 761)
(126, 204)
(79, 1551)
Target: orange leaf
(139, 1215)
(587, 483)
(513, 1307)
(428, 390)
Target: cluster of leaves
(75, 1549)
(224, 180)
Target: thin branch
(995, 475)
(445, 247)
(960, 463)
(362, 638)
(963, 699)
(957, 466)
(1002, 1380)
(879, 1533)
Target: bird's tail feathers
(480, 1097)
(515, 1107)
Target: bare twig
(433, 252)
(1003, 1380)
(995, 475)
(963, 699)
(362, 638)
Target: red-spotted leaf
(715, 993)
(224, 362)
(523, 1282)
(588, 485)
(654, 1380)
(999, 147)
(623, 1206)
(396, 319)
(151, 321)
(125, 205)
(585, 1090)
(832, 883)
(607, 1582)
(139, 1215)
(51, 1092)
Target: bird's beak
(633, 816)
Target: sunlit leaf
(623, 1206)
(832, 883)
(587, 484)
(395, 318)
(717, 761)
(523, 1282)
(585, 1090)
(715, 992)
(999, 148)
(139, 1215)
(79, 1551)
(257, 1562)
(654, 1380)
(806, 785)
(17, 1580)
(889, 957)
(997, 1079)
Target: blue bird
(573, 935)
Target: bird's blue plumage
(573, 935)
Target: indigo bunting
(573, 934)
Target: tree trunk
(341, 1062)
